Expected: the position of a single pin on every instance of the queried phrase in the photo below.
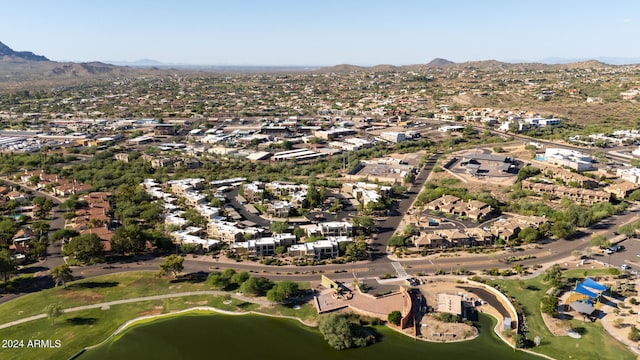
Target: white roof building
(569, 158)
(186, 237)
(631, 175)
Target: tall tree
(553, 275)
(278, 227)
(42, 207)
(62, 274)
(364, 224)
(53, 311)
(86, 248)
(254, 286)
(357, 250)
(313, 196)
(7, 265)
(8, 228)
(40, 227)
(128, 238)
(282, 291)
(171, 264)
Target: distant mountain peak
(438, 62)
(26, 55)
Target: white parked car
(625, 267)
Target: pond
(197, 335)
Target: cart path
(139, 299)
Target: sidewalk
(139, 299)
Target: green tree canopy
(53, 311)
(364, 224)
(86, 248)
(394, 317)
(171, 264)
(8, 227)
(256, 286)
(550, 305)
(62, 274)
(553, 275)
(342, 334)
(128, 239)
(278, 227)
(7, 264)
(282, 291)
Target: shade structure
(580, 289)
(592, 284)
(582, 307)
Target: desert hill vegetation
(582, 93)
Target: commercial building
(569, 158)
(297, 155)
(631, 175)
(393, 136)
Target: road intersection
(380, 263)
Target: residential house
(454, 237)
(431, 240)
(585, 196)
(95, 219)
(571, 177)
(164, 129)
(17, 196)
(622, 190)
(224, 231)
(329, 248)
(631, 175)
(366, 193)
(279, 209)
(191, 235)
(336, 228)
(124, 157)
(254, 192)
(161, 162)
(265, 246)
(473, 209)
(479, 237)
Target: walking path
(138, 299)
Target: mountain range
(7, 52)
(19, 68)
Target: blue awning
(590, 283)
(584, 291)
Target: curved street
(380, 264)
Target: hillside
(8, 54)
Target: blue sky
(327, 32)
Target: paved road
(54, 252)
(390, 224)
(380, 264)
(550, 143)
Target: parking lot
(626, 256)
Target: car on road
(608, 251)
(625, 267)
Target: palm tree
(61, 274)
